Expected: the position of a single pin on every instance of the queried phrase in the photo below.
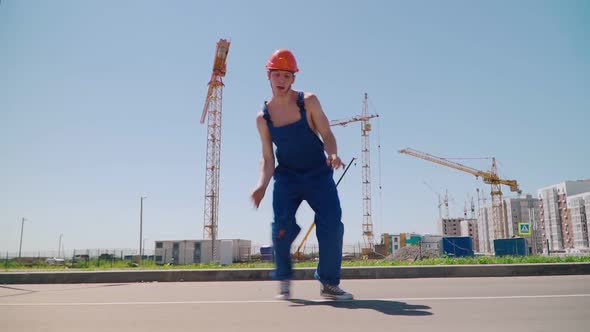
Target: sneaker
(284, 290)
(334, 292)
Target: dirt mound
(412, 253)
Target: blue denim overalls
(303, 174)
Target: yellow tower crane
(366, 170)
(490, 178)
(212, 111)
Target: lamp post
(22, 227)
(141, 226)
(59, 246)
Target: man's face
(281, 81)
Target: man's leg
(323, 199)
(286, 201)
(322, 196)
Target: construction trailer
(457, 246)
(511, 247)
(184, 252)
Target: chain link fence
(114, 257)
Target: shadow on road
(386, 307)
(24, 291)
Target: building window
(158, 258)
(159, 245)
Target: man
(294, 122)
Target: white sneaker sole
(338, 297)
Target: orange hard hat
(282, 59)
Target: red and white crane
(212, 111)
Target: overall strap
(265, 114)
(301, 102)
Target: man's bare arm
(322, 125)
(267, 164)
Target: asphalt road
(452, 304)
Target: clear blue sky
(100, 104)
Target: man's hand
(335, 162)
(257, 196)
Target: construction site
(212, 115)
(520, 225)
(552, 221)
(428, 168)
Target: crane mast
(366, 167)
(490, 178)
(212, 111)
(497, 208)
(364, 118)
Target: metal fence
(245, 254)
(73, 253)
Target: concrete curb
(378, 272)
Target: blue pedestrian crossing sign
(524, 228)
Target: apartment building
(484, 225)
(579, 210)
(524, 209)
(469, 227)
(461, 227)
(555, 222)
(515, 210)
(392, 242)
(451, 226)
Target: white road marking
(294, 301)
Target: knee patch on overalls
(286, 233)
